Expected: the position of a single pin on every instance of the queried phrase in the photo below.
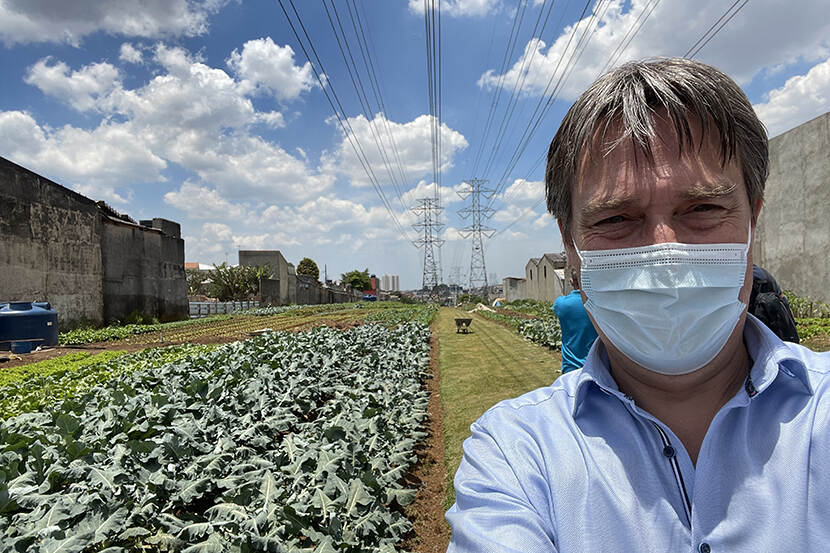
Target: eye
(703, 208)
(611, 220)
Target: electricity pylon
(477, 214)
(429, 229)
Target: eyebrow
(703, 190)
(709, 190)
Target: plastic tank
(32, 322)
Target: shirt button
(668, 452)
(704, 548)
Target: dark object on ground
(461, 325)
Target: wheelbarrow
(461, 325)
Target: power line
(363, 98)
(692, 52)
(328, 90)
(508, 53)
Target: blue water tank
(24, 321)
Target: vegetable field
(284, 442)
(533, 320)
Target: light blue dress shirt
(578, 467)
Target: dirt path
(431, 531)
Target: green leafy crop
(289, 442)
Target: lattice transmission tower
(429, 229)
(477, 230)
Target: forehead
(629, 170)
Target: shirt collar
(770, 355)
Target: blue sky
(209, 114)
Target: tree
(196, 282)
(307, 266)
(236, 283)
(358, 280)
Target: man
(577, 330)
(691, 427)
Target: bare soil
(431, 532)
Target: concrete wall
(278, 264)
(143, 270)
(793, 237)
(59, 246)
(50, 246)
(308, 290)
(514, 288)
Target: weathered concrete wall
(514, 288)
(50, 246)
(270, 291)
(793, 237)
(278, 264)
(143, 270)
(59, 246)
(308, 290)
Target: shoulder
(534, 412)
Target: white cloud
(81, 89)
(200, 202)
(323, 219)
(26, 21)
(414, 147)
(191, 114)
(742, 49)
(448, 194)
(130, 54)
(96, 163)
(802, 98)
(215, 242)
(267, 67)
(524, 191)
(273, 119)
(460, 8)
(510, 213)
(543, 221)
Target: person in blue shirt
(578, 333)
(692, 427)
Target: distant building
(278, 288)
(92, 263)
(390, 283)
(544, 279)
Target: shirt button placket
(704, 548)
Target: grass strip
(489, 364)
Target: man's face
(621, 203)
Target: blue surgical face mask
(668, 307)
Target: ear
(756, 210)
(568, 244)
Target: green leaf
(72, 544)
(193, 490)
(357, 496)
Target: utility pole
(429, 230)
(477, 215)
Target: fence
(200, 309)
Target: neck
(686, 403)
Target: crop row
(39, 385)
(110, 333)
(533, 320)
(289, 442)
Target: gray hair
(628, 97)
